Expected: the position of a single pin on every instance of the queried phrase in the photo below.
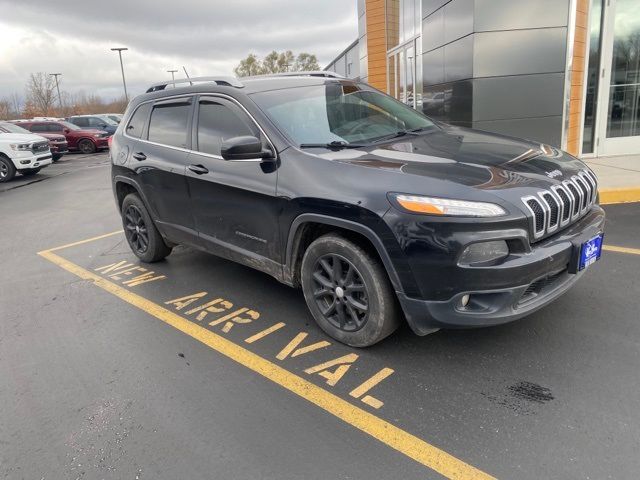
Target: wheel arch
(123, 186)
(321, 224)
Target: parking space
(198, 367)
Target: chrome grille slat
(562, 204)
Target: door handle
(139, 156)
(198, 169)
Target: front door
(619, 96)
(234, 202)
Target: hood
(21, 137)
(472, 158)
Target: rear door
(158, 153)
(234, 202)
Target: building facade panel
(563, 72)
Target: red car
(85, 141)
(57, 143)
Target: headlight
(21, 147)
(97, 135)
(448, 206)
(483, 252)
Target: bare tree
(40, 92)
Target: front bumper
(518, 287)
(28, 160)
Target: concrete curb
(610, 196)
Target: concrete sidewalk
(618, 177)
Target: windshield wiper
(335, 145)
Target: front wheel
(86, 146)
(348, 292)
(141, 233)
(7, 169)
(29, 172)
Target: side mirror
(103, 125)
(243, 148)
(66, 130)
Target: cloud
(206, 36)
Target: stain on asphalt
(531, 392)
(522, 397)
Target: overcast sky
(207, 36)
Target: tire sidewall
(10, 168)
(86, 141)
(381, 320)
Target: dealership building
(563, 72)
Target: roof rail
(313, 73)
(226, 81)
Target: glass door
(402, 74)
(619, 95)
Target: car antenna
(188, 77)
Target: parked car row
(27, 146)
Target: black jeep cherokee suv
(372, 208)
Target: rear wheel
(348, 292)
(86, 146)
(141, 233)
(7, 169)
(29, 172)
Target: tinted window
(53, 127)
(138, 120)
(219, 120)
(39, 127)
(168, 124)
(95, 122)
(81, 122)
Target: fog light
(484, 252)
(464, 300)
(25, 162)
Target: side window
(54, 127)
(219, 120)
(38, 127)
(138, 120)
(81, 122)
(95, 122)
(168, 124)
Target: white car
(22, 152)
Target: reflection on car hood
(468, 157)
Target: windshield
(11, 128)
(70, 126)
(115, 118)
(336, 112)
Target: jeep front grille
(562, 204)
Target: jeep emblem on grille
(554, 173)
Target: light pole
(173, 78)
(119, 50)
(56, 75)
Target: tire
(142, 235)
(86, 146)
(56, 157)
(7, 169)
(335, 295)
(29, 172)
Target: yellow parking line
(92, 239)
(614, 248)
(413, 447)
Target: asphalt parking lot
(114, 369)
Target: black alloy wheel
(340, 293)
(136, 229)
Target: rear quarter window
(138, 120)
